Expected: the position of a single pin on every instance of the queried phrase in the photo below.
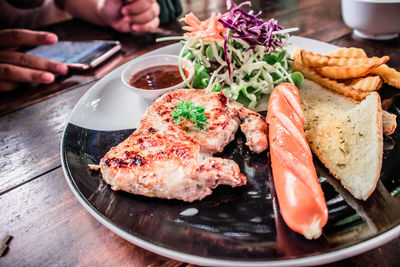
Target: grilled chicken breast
(166, 160)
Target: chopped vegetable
(237, 53)
(189, 112)
(243, 25)
(210, 28)
(202, 76)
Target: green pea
(297, 78)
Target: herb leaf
(187, 111)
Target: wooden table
(47, 223)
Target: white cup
(372, 19)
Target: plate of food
(221, 172)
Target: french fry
(389, 75)
(316, 60)
(365, 84)
(348, 52)
(350, 66)
(339, 87)
(296, 54)
(346, 72)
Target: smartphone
(79, 55)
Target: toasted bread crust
(345, 158)
(389, 122)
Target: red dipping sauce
(158, 77)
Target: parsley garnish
(189, 112)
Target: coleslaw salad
(237, 53)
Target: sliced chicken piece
(166, 160)
(253, 128)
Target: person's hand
(130, 15)
(16, 67)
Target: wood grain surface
(47, 224)
(50, 226)
(31, 138)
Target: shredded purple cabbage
(248, 27)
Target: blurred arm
(88, 10)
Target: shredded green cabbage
(255, 72)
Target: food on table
(237, 53)
(338, 86)
(345, 135)
(300, 196)
(356, 89)
(348, 71)
(240, 56)
(389, 75)
(168, 159)
(158, 77)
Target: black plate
(240, 224)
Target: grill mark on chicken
(166, 160)
(151, 130)
(135, 158)
(222, 98)
(130, 158)
(182, 152)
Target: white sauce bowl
(372, 19)
(139, 65)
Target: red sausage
(300, 197)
